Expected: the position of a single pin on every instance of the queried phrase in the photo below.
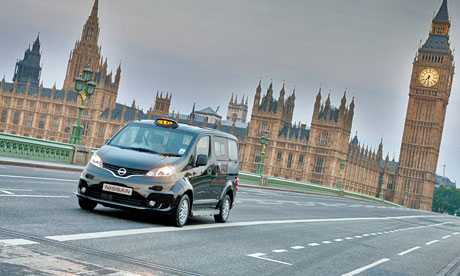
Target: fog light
(152, 203)
(83, 190)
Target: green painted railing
(35, 149)
(291, 185)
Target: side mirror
(106, 141)
(201, 160)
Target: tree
(446, 199)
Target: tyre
(87, 204)
(182, 213)
(224, 210)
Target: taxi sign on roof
(166, 123)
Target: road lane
(320, 238)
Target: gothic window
(85, 128)
(54, 126)
(289, 164)
(29, 120)
(57, 109)
(257, 157)
(16, 118)
(102, 102)
(4, 116)
(390, 186)
(19, 103)
(101, 131)
(279, 158)
(32, 105)
(300, 165)
(114, 130)
(90, 34)
(324, 138)
(6, 101)
(67, 127)
(41, 124)
(44, 107)
(319, 165)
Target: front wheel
(180, 217)
(224, 210)
(87, 204)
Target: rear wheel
(87, 204)
(224, 210)
(181, 215)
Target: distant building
(209, 114)
(237, 112)
(444, 181)
(29, 109)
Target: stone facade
(429, 93)
(29, 109)
(237, 112)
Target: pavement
(44, 232)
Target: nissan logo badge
(122, 171)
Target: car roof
(193, 129)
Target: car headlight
(96, 161)
(161, 172)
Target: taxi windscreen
(153, 139)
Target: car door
(220, 151)
(201, 176)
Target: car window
(220, 148)
(232, 150)
(153, 139)
(202, 147)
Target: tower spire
(95, 9)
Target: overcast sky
(204, 50)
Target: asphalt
(268, 233)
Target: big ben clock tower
(429, 94)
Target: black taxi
(163, 166)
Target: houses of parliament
(319, 153)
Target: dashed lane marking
(12, 242)
(409, 251)
(338, 240)
(40, 178)
(446, 237)
(313, 244)
(326, 242)
(358, 237)
(348, 238)
(359, 270)
(6, 192)
(259, 256)
(431, 242)
(279, 250)
(456, 233)
(297, 247)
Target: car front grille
(117, 198)
(129, 171)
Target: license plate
(117, 189)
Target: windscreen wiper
(171, 154)
(144, 150)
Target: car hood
(132, 159)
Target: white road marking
(36, 196)
(366, 235)
(40, 178)
(408, 251)
(338, 240)
(380, 233)
(431, 242)
(456, 233)
(326, 242)
(115, 233)
(359, 270)
(6, 192)
(446, 237)
(11, 242)
(313, 244)
(358, 237)
(22, 190)
(279, 250)
(259, 256)
(348, 238)
(297, 247)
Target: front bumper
(143, 194)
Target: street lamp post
(264, 142)
(382, 182)
(339, 184)
(84, 85)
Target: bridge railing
(36, 149)
(292, 185)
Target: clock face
(429, 77)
